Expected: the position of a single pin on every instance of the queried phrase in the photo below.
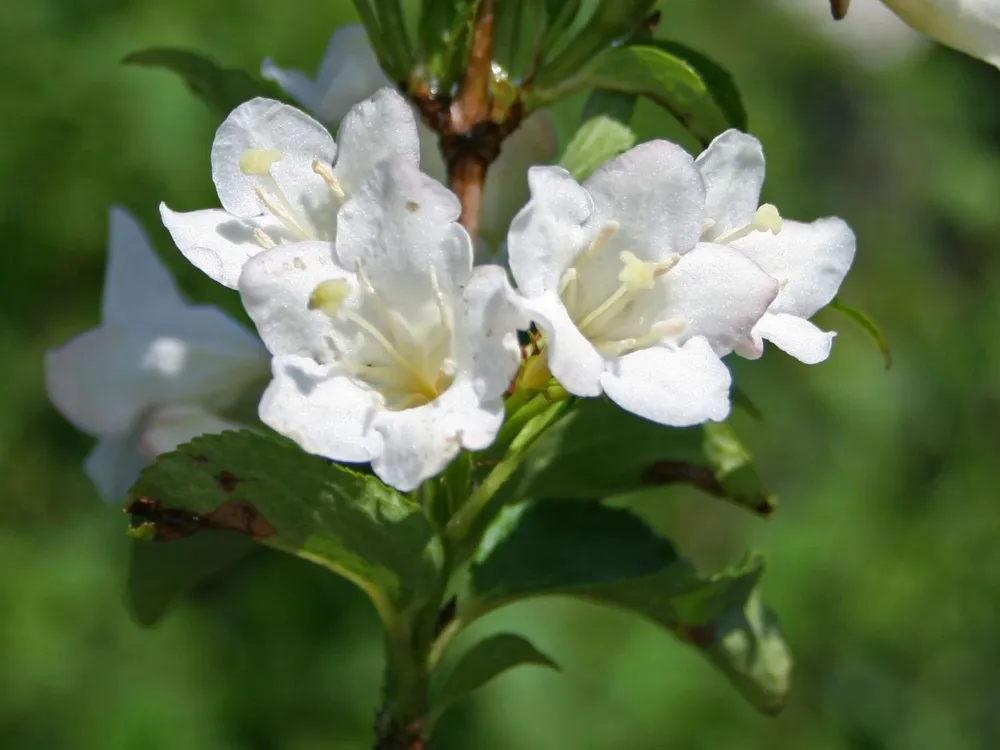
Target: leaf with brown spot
(297, 503)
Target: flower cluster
(388, 344)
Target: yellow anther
(328, 296)
(767, 218)
(257, 162)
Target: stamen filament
(324, 171)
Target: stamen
(447, 318)
(568, 287)
(263, 239)
(257, 162)
(609, 230)
(639, 275)
(280, 211)
(324, 171)
(765, 219)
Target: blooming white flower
(388, 348)
(971, 26)
(350, 71)
(281, 178)
(155, 372)
(808, 260)
(631, 304)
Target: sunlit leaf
(869, 326)
(268, 489)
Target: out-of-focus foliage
(883, 558)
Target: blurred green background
(885, 561)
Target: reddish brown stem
(469, 116)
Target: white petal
(506, 187)
(656, 195)
(972, 26)
(114, 465)
(105, 378)
(550, 231)
(216, 242)
(400, 225)
(677, 387)
(421, 442)
(718, 293)
(810, 260)
(268, 124)
(324, 412)
(733, 170)
(166, 428)
(796, 336)
(574, 361)
(295, 83)
(487, 349)
(137, 286)
(348, 73)
(376, 129)
(275, 288)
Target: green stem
(461, 523)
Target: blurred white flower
(281, 178)
(870, 33)
(155, 372)
(630, 302)
(971, 26)
(808, 260)
(388, 348)
(349, 72)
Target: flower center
(611, 322)
(258, 163)
(408, 362)
(764, 219)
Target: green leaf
(600, 138)
(267, 488)
(159, 573)
(868, 325)
(486, 660)
(395, 39)
(610, 556)
(694, 90)
(222, 89)
(446, 29)
(599, 450)
(611, 23)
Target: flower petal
(733, 170)
(295, 83)
(673, 386)
(166, 428)
(323, 411)
(487, 349)
(137, 286)
(348, 73)
(276, 287)
(656, 195)
(216, 242)
(506, 188)
(796, 336)
(810, 260)
(972, 26)
(421, 442)
(114, 465)
(549, 232)
(574, 361)
(718, 293)
(268, 124)
(374, 130)
(399, 226)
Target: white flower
(350, 72)
(971, 26)
(808, 260)
(630, 302)
(155, 372)
(281, 178)
(389, 349)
